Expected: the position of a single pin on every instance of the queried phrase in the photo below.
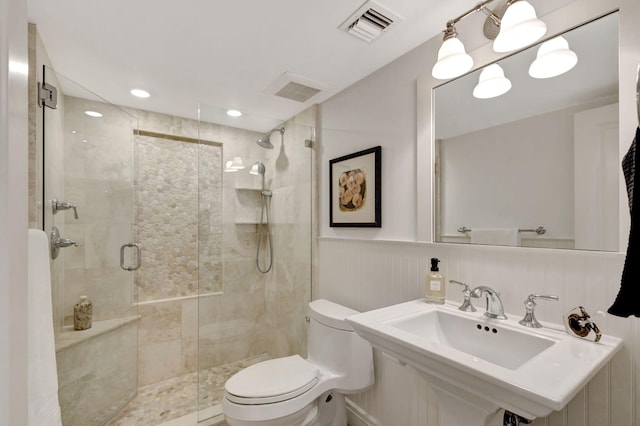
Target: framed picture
(354, 194)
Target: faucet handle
(529, 319)
(57, 205)
(466, 292)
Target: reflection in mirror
(544, 154)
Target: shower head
(265, 141)
(257, 168)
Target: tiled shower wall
(366, 275)
(167, 198)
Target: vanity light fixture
(140, 93)
(93, 114)
(491, 83)
(234, 113)
(517, 28)
(453, 60)
(553, 58)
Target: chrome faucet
(494, 304)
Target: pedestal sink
(478, 366)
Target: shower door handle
(138, 257)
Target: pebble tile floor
(176, 397)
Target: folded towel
(43, 405)
(496, 236)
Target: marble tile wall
(98, 169)
(96, 378)
(198, 285)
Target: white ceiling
(223, 54)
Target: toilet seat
(272, 381)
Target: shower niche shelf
(247, 208)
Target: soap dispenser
(435, 288)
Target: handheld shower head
(265, 141)
(258, 169)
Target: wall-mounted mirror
(539, 165)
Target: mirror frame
(562, 19)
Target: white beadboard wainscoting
(368, 274)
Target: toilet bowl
(293, 391)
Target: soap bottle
(82, 314)
(435, 288)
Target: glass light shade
(554, 58)
(453, 60)
(228, 167)
(519, 27)
(491, 83)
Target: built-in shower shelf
(69, 337)
(248, 189)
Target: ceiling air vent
(295, 87)
(369, 21)
(297, 92)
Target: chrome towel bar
(539, 230)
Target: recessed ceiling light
(234, 113)
(93, 114)
(140, 93)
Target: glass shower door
(246, 316)
(88, 166)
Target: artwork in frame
(354, 189)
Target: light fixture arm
(480, 7)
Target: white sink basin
(493, 343)
(530, 372)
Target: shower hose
(264, 234)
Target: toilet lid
(272, 381)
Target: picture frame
(355, 189)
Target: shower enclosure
(248, 316)
(87, 196)
(197, 309)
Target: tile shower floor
(176, 397)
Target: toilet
(293, 391)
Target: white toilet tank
(333, 345)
